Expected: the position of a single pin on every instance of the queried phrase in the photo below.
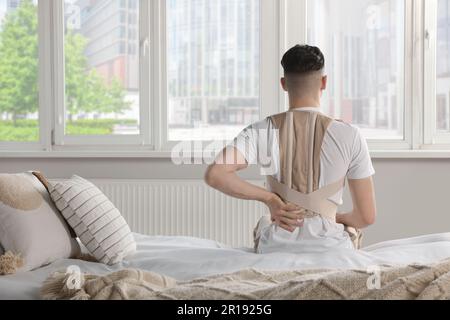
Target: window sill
(85, 154)
(381, 154)
(410, 154)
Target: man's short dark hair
(302, 59)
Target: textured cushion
(96, 221)
(30, 225)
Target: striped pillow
(95, 220)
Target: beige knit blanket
(411, 282)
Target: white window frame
(271, 20)
(62, 141)
(283, 24)
(43, 144)
(384, 144)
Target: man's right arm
(222, 176)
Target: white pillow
(30, 224)
(95, 220)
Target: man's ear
(283, 84)
(324, 83)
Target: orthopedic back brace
(301, 136)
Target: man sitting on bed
(343, 154)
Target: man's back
(344, 153)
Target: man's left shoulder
(344, 130)
(344, 125)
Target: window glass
(101, 67)
(443, 67)
(363, 42)
(213, 68)
(19, 97)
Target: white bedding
(187, 258)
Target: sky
(2, 9)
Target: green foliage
(95, 127)
(28, 130)
(18, 61)
(103, 122)
(22, 130)
(75, 129)
(86, 90)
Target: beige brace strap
(317, 201)
(290, 148)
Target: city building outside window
(213, 68)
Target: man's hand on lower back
(287, 216)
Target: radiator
(184, 208)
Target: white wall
(413, 196)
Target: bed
(35, 231)
(186, 258)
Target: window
(363, 42)
(213, 67)
(19, 96)
(114, 76)
(101, 75)
(443, 67)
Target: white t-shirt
(344, 154)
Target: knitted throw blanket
(404, 283)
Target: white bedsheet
(187, 258)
